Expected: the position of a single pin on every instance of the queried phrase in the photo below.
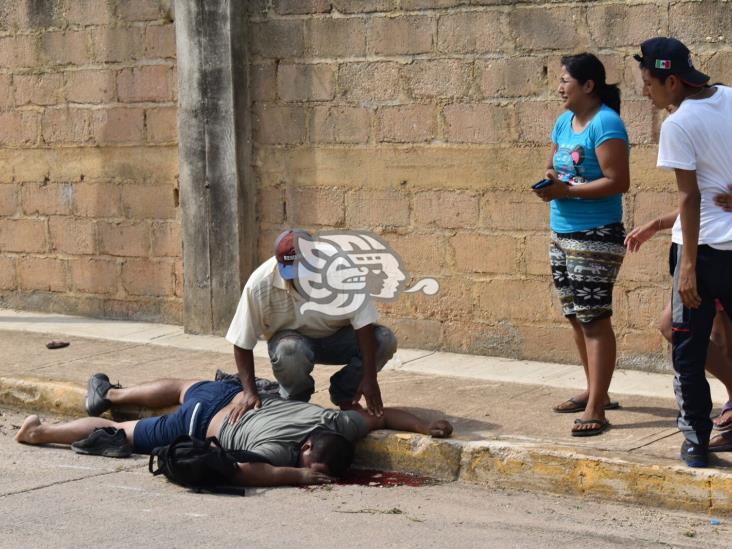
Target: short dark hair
(659, 75)
(333, 450)
(662, 76)
(585, 66)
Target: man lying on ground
(303, 443)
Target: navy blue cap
(670, 56)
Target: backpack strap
(240, 456)
(158, 452)
(213, 441)
(150, 464)
(245, 456)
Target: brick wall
(422, 120)
(427, 120)
(88, 158)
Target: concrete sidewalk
(505, 435)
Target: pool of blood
(383, 479)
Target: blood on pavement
(383, 479)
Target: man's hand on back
(369, 389)
(250, 400)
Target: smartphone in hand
(541, 184)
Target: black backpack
(201, 465)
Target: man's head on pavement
(326, 452)
(286, 252)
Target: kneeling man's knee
(386, 344)
(291, 353)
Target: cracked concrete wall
(422, 120)
(89, 220)
(427, 120)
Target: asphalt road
(51, 497)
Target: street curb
(408, 453)
(530, 466)
(533, 467)
(495, 463)
(43, 396)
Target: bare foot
(575, 404)
(589, 427)
(25, 433)
(590, 421)
(579, 403)
(440, 428)
(723, 420)
(721, 442)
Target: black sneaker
(96, 391)
(104, 441)
(695, 455)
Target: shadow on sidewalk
(651, 411)
(656, 411)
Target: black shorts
(672, 258)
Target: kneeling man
(270, 306)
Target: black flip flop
(579, 406)
(603, 423)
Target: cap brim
(695, 78)
(287, 272)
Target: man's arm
(264, 474)
(641, 234)
(244, 359)
(369, 386)
(401, 420)
(689, 205)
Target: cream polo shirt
(268, 304)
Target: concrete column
(216, 189)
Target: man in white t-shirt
(695, 142)
(270, 306)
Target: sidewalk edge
(512, 465)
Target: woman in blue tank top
(589, 173)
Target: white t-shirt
(268, 304)
(698, 136)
